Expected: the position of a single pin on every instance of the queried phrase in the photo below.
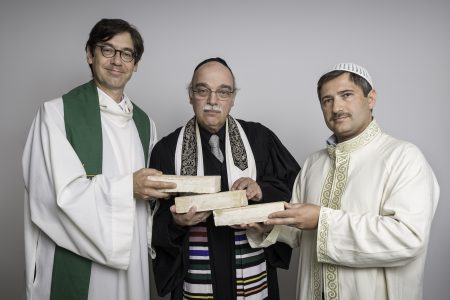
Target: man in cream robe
(362, 208)
(86, 234)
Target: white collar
(113, 110)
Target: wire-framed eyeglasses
(203, 92)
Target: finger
(252, 225)
(281, 214)
(160, 184)
(191, 213)
(199, 217)
(293, 205)
(236, 184)
(280, 221)
(150, 172)
(245, 184)
(235, 226)
(179, 219)
(153, 172)
(250, 194)
(173, 208)
(204, 214)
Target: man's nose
(212, 99)
(116, 59)
(337, 105)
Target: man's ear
(191, 96)
(89, 56)
(135, 67)
(372, 97)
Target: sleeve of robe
(153, 205)
(396, 236)
(276, 180)
(92, 218)
(169, 240)
(281, 233)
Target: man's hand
(302, 216)
(192, 217)
(144, 189)
(252, 188)
(260, 228)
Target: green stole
(71, 272)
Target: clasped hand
(145, 189)
(251, 187)
(191, 218)
(302, 216)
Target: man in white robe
(362, 208)
(87, 230)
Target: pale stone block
(211, 201)
(245, 215)
(190, 184)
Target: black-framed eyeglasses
(222, 93)
(109, 52)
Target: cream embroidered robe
(378, 197)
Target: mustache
(340, 115)
(212, 108)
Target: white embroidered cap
(354, 68)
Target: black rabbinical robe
(276, 173)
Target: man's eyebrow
(112, 46)
(223, 86)
(201, 84)
(345, 91)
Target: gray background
(277, 49)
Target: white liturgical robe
(378, 196)
(98, 219)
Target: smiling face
(214, 77)
(347, 112)
(112, 74)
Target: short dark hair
(106, 29)
(358, 80)
(214, 59)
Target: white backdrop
(277, 50)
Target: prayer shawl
(251, 269)
(71, 272)
(276, 172)
(378, 196)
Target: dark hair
(106, 29)
(358, 80)
(216, 59)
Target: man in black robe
(194, 258)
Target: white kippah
(354, 68)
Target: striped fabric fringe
(251, 271)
